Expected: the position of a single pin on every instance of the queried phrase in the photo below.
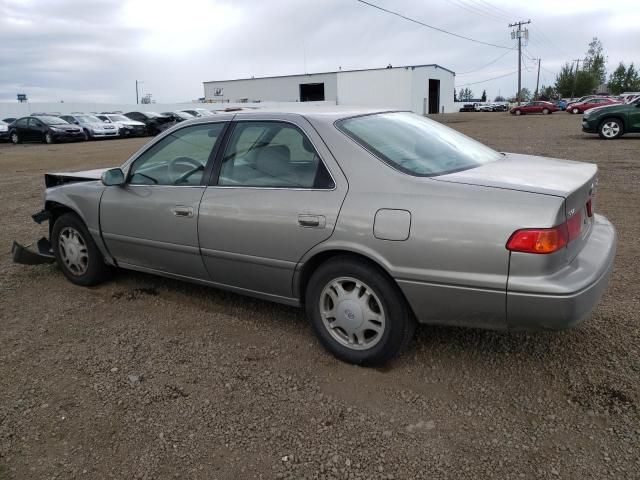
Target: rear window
(416, 145)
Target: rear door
(276, 193)
(151, 222)
(35, 130)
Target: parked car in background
(453, 233)
(613, 120)
(127, 127)
(534, 107)
(9, 120)
(92, 126)
(154, 122)
(468, 107)
(199, 112)
(4, 131)
(628, 97)
(581, 107)
(179, 116)
(483, 107)
(44, 129)
(499, 107)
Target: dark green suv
(613, 120)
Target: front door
(152, 221)
(277, 194)
(35, 130)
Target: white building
(422, 89)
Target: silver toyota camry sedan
(370, 220)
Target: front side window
(272, 154)
(177, 159)
(416, 145)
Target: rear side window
(272, 154)
(416, 145)
(22, 123)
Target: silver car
(92, 126)
(370, 220)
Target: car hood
(612, 106)
(527, 173)
(54, 179)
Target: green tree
(547, 93)
(624, 79)
(455, 95)
(595, 62)
(484, 96)
(499, 98)
(569, 82)
(465, 94)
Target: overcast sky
(94, 50)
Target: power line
(431, 26)
(490, 63)
(488, 79)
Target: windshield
(118, 118)
(416, 145)
(52, 120)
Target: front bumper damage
(44, 254)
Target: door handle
(182, 211)
(311, 221)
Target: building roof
(406, 67)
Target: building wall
(420, 90)
(387, 88)
(274, 89)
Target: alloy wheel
(48, 138)
(575, 110)
(610, 129)
(352, 313)
(14, 138)
(73, 251)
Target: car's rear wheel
(15, 138)
(575, 110)
(610, 129)
(357, 312)
(48, 138)
(545, 111)
(76, 253)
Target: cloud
(94, 50)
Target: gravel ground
(146, 378)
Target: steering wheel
(177, 175)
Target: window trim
(211, 161)
(215, 176)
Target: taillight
(538, 240)
(546, 240)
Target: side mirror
(113, 177)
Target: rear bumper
(588, 274)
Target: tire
(48, 138)
(86, 135)
(545, 111)
(390, 315)
(575, 111)
(15, 138)
(518, 112)
(610, 129)
(81, 261)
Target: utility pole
(538, 79)
(519, 34)
(575, 76)
(136, 92)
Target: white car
(4, 130)
(92, 126)
(199, 112)
(128, 127)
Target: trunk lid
(576, 182)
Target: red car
(535, 107)
(580, 107)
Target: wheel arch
(612, 117)
(305, 271)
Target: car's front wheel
(15, 138)
(76, 253)
(48, 138)
(87, 135)
(545, 111)
(610, 129)
(575, 110)
(357, 312)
